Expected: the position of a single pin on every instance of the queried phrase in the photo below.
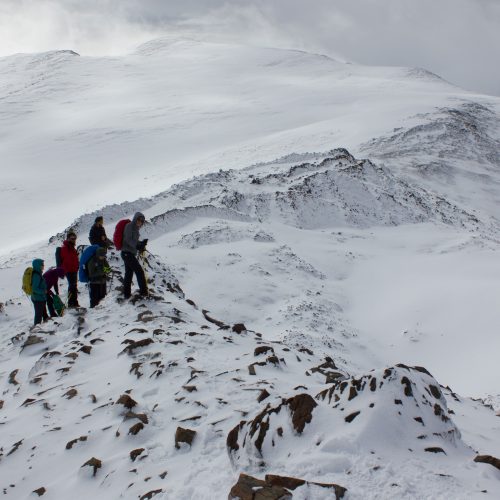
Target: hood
(136, 216)
(37, 265)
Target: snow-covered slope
(340, 234)
(102, 403)
(81, 132)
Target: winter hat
(100, 218)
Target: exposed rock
(263, 395)
(239, 328)
(32, 340)
(135, 453)
(95, 463)
(250, 488)
(126, 401)
(150, 494)
(435, 449)
(137, 344)
(40, 491)
(86, 349)
(71, 393)
(12, 377)
(141, 416)
(184, 436)
(263, 349)
(70, 444)
(220, 324)
(15, 447)
(488, 459)
(292, 483)
(136, 428)
(253, 433)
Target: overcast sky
(457, 39)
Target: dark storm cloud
(458, 39)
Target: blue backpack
(87, 254)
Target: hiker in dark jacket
(97, 235)
(131, 245)
(67, 258)
(98, 269)
(38, 291)
(51, 278)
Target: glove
(107, 270)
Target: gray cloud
(457, 39)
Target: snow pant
(132, 266)
(97, 293)
(40, 311)
(72, 289)
(50, 305)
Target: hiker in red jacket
(67, 258)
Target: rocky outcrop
(276, 488)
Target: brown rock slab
(71, 393)
(135, 453)
(86, 349)
(251, 488)
(488, 459)
(93, 462)
(126, 401)
(263, 349)
(136, 428)
(263, 395)
(40, 491)
(301, 407)
(184, 436)
(239, 328)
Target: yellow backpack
(28, 281)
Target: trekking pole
(144, 262)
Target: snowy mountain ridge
(328, 315)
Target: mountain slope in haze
(83, 132)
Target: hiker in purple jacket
(51, 277)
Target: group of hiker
(90, 267)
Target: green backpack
(28, 281)
(58, 305)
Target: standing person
(51, 278)
(98, 269)
(97, 235)
(38, 291)
(67, 258)
(131, 245)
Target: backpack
(118, 234)
(58, 305)
(28, 281)
(87, 254)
